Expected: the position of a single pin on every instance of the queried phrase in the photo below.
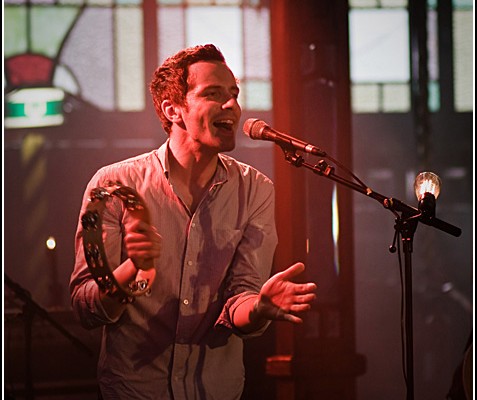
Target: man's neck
(191, 171)
(190, 164)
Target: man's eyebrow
(235, 87)
(211, 87)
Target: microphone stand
(29, 309)
(406, 225)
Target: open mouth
(226, 124)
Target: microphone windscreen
(253, 128)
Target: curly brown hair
(170, 79)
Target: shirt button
(186, 302)
(189, 262)
(192, 225)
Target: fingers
(295, 308)
(284, 279)
(300, 307)
(300, 303)
(306, 298)
(292, 318)
(140, 231)
(305, 288)
(143, 244)
(141, 239)
(138, 225)
(143, 250)
(300, 297)
(292, 271)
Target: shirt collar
(220, 175)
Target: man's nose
(231, 102)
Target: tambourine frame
(94, 251)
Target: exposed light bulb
(427, 182)
(427, 186)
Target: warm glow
(51, 243)
(427, 182)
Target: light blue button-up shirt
(180, 343)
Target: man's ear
(172, 112)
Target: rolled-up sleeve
(85, 296)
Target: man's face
(212, 113)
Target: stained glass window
(95, 49)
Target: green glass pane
(49, 26)
(15, 110)
(14, 39)
(54, 107)
(463, 4)
(434, 100)
(34, 107)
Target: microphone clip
(323, 168)
(291, 155)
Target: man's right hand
(143, 244)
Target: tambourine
(94, 252)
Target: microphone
(259, 130)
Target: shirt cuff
(226, 317)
